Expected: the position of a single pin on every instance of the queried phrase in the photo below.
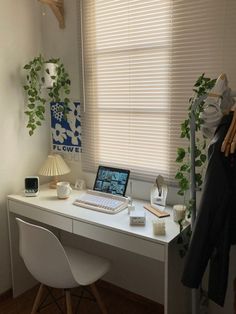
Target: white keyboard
(103, 202)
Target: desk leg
(21, 278)
(177, 298)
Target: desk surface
(47, 200)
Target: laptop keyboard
(103, 202)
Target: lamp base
(53, 183)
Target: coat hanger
(233, 142)
(229, 142)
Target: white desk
(110, 229)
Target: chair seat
(86, 268)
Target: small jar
(159, 227)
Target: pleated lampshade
(54, 166)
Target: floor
(116, 300)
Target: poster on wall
(66, 133)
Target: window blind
(140, 61)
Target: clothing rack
(195, 292)
(196, 103)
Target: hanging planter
(50, 74)
(45, 75)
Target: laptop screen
(111, 180)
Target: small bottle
(130, 205)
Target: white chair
(58, 266)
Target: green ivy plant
(202, 86)
(35, 79)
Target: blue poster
(66, 133)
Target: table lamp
(54, 166)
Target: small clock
(31, 186)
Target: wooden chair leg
(37, 299)
(68, 302)
(98, 299)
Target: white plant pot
(52, 72)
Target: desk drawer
(40, 215)
(121, 240)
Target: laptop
(111, 180)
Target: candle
(179, 212)
(159, 227)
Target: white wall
(63, 44)
(21, 155)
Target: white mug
(63, 190)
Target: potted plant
(45, 77)
(202, 86)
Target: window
(140, 61)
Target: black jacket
(215, 226)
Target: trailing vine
(35, 79)
(202, 86)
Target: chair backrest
(44, 256)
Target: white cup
(63, 190)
